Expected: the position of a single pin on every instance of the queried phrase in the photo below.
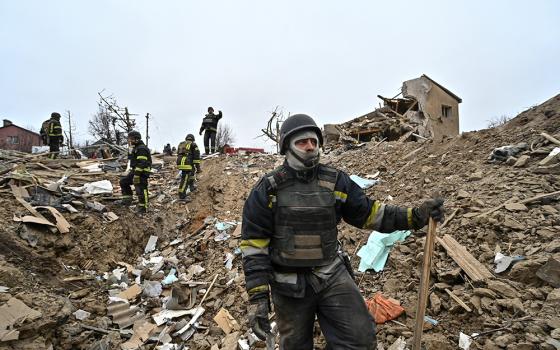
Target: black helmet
(210, 109)
(134, 135)
(55, 115)
(190, 137)
(295, 123)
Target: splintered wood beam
(468, 263)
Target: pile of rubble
(173, 278)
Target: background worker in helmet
(188, 159)
(210, 128)
(290, 249)
(140, 168)
(51, 132)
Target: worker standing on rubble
(188, 159)
(289, 244)
(140, 169)
(210, 128)
(51, 133)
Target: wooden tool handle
(424, 284)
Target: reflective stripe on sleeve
(254, 246)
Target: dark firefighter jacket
(210, 122)
(188, 155)
(140, 159)
(351, 204)
(54, 129)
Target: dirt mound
(196, 243)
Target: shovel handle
(424, 284)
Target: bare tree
(101, 125)
(272, 130)
(498, 121)
(224, 136)
(111, 123)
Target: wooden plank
(468, 263)
(424, 285)
(61, 223)
(550, 138)
(33, 211)
(458, 300)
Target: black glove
(198, 170)
(258, 317)
(430, 208)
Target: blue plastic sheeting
(222, 226)
(375, 253)
(363, 183)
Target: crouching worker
(188, 159)
(140, 168)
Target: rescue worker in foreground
(289, 245)
(140, 169)
(210, 128)
(188, 159)
(54, 136)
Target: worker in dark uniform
(289, 245)
(188, 159)
(167, 150)
(140, 169)
(210, 128)
(54, 135)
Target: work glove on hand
(198, 169)
(430, 208)
(200, 132)
(258, 317)
(136, 180)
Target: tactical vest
(184, 156)
(305, 233)
(210, 122)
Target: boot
(184, 198)
(140, 210)
(192, 187)
(125, 202)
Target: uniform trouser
(340, 309)
(187, 179)
(141, 189)
(209, 141)
(54, 146)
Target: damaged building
(424, 109)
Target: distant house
(424, 110)
(438, 104)
(13, 137)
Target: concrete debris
(226, 322)
(550, 272)
(515, 208)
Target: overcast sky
(329, 59)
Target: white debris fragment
(81, 314)
(464, 341)
(151, 245)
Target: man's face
(306, 145)
(130, 141)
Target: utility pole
(147, 127)
(70, 143)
